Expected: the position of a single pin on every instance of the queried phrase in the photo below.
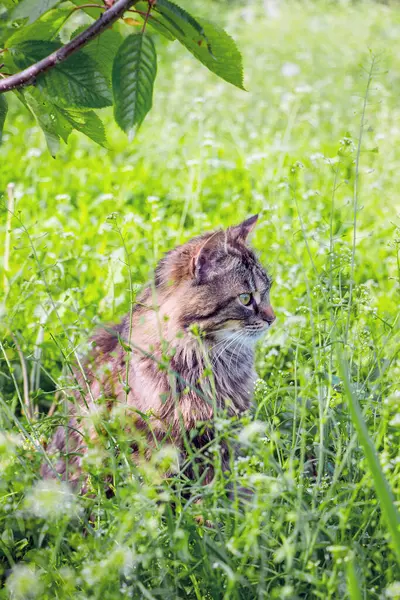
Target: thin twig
(83, 6)
(28, 76)
(138, 12)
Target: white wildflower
(23, 583)
(290, 69)
(51, 499)
(251, 431)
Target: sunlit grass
(209, 155)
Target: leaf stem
(146, 18)
(82, 6)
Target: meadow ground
(87, 230)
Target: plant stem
(10, 212)
(25, 380)
(355, 197)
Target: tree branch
(28, 76)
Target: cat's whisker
(233, 352)
(228, 344)
(224, 339)
(239, 352)
(222, 351)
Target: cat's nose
(268, 314)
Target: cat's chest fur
(195, 383)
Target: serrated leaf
(57, 122)
(6, 28)
(220, 54)
(159, 26)
(52, 140)
(43, 29)
(50, 120)
(210, 44)
(33, 9)
(74, 83)
(156, 22)
(7, 4)
(87, 123)
(48, 115)
(179, 18)
(133, 75)
(102, 49)
(3, 114)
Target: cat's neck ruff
(225, 370)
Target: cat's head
(216, 281)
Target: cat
(190, 339)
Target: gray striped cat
(192, 335)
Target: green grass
(89, 227)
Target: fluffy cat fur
(203, 285)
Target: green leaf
(210, 44)
(179, 19)
(220, 54)
(33, 9)
(134, 72)
(382, 487)
(102, 49)
(58, 122)
(156, 21)
(48, 114)
(74, 83)
(7, 4)
(353, 583)
(87, 123)
(6, 28)
(159, 26)
(50, 120)
(3, 114)
(43, 29)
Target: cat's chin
(248, 336)
(255, 335)
(259, 333)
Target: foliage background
(209, 155)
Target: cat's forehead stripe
(261, 274)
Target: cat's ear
(242, 231)
(203, 260)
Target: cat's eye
(245, 299)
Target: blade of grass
(353, 584)
(381, 484)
